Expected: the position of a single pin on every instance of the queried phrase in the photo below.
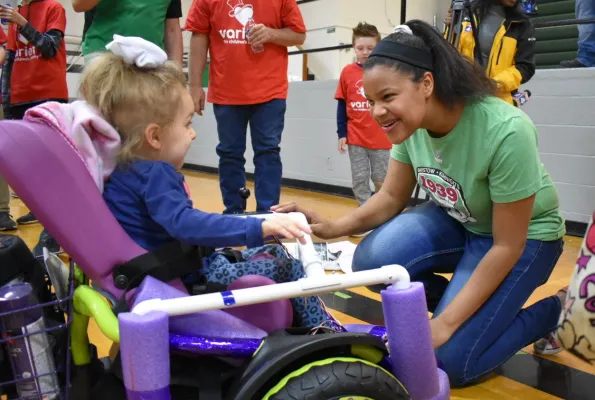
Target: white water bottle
(249, 25)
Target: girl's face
(397, 103)
(173, 142)
(363, 46)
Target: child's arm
(170, 207)
(341, 119)
(341, 114)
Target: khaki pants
(4, 193)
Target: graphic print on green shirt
(491, 156)
(446, 192)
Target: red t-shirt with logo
(3, 40)
(34, 77)
(236, 74)
(3, 37)
(362, 129)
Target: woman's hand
(286, 227)
(441, 331)
(448, 18)
(343, 145)
(322, 228)
(12, 15)
(289, 207)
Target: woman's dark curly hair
(456, 78)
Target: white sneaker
(547, 345)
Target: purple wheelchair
(210, 346)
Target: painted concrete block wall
(561, 106)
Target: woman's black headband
(407, 54)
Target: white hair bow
(403, 29)
(138, 51)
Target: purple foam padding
(214, 323)
(410, 341)
(444, 387)
(144, 349)
(271, 316)
(52, 180)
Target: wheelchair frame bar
(316, 282)
(390, 274)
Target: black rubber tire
(341, 379)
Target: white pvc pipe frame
(316, 282)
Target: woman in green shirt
(493, 218)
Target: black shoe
(45, 240)
(27, 219)
(6, 222)
(572, 64)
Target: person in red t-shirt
(247, 85)
(36, 60)
(6, 221)
(35, 68)
(365, 141)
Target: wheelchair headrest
(50, 177)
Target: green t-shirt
(140, 18)
(490, 156)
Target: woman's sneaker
(27, 219)
(549, 345)
(6, 222)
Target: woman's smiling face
(397, 103)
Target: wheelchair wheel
(339, 379)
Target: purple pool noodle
(410, 340)
(214, 323)
(444, 387)
(144, 349)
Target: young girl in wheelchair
(152, 111)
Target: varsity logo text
(26, 54)
(361, 105)
(446, 192)
(242, 13)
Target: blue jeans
(586, 32)
(266, 125)
(425, 240)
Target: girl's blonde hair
(131, 98)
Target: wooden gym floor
(525, 376)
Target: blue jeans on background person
(426, 239)
(585, 9)
(266, 121)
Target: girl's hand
(12, 15)
(285, 208)
(285, 227)
(342, 145)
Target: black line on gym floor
(537, 372)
